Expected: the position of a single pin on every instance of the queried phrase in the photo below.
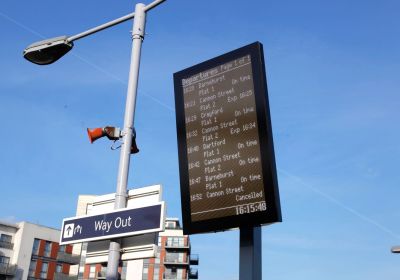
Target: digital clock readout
(251, 208)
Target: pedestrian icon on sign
(68, 230)
(78, 229)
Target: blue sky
(333, 77)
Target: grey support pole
(139, 23)
(250, 253)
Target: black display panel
(226, 155)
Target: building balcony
(7, 269)
(101, 274)
(63, 276)
(170, 245)
(68, 258)
(194, 259)
(7, 245)
(173, 276)
(175, 261)
(174, 227)
(193, 274)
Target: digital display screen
(220, 146)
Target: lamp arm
(100, 27)
(153, 5)
(111, 23)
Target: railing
(175, 261)
(63, 276)
(193, 274)
(68, 258)
(176, 245)
(7, 269)
(173, 276)
(101, 275)
(7, 245)
(194, 259)
(173, 227)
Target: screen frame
(271, 191)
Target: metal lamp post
(48, 51)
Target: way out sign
(115, 224)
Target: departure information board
(226, 156)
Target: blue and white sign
(115, 224)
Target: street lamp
(395, 249)
(48, 51)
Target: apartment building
(31, 251)
(174, 259)
(173, 254)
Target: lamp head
(48, 51)
(395, 249)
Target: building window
(170, 225)
(174, 257)
(59, 268)
(145, 272)
(5, 238)
(170, 273)
(35, 249)
(157, 259)
(61, 248)
(83, 256)
(47, 249)
(92, 271)
(32, 268)
(156, 275)
(176, 241)
(170, 241)
(4, 260)
(123, 270)
(179, 273)
(43, 271)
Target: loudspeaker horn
(95, 133)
